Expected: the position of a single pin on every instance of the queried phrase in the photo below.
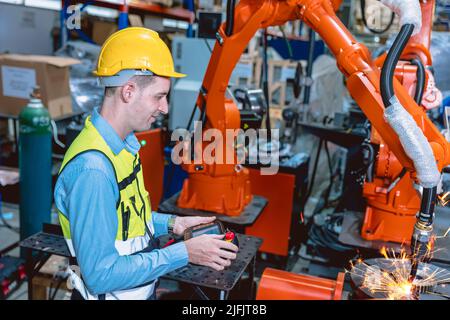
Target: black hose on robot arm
(422, 233)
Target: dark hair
(141, 81)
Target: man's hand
(182, 223)
(211, 251)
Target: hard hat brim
(168, 75)
(172, 75)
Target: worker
(104, 209)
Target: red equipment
(283, 285)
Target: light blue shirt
(86, 193)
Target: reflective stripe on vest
(132, 208)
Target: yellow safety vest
(135, 227)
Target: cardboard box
(102, 30)
(164, 3)
(19, 74)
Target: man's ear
(128, 91)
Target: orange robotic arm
(392, 200)
(225, 189)
(418, 48)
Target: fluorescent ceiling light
(12, 1)
(170, 23)
(102, 12)
(44, 4)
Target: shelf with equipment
(138, 8)
(124, 9)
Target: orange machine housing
(390, 214)
(274, 223)
(283, 285)
(152, 161)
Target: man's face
(150, 102)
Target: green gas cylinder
(35, 165)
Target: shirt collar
(131, 143)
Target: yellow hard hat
(138, 49)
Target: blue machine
(300, 48)
(174, 176)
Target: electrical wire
(420, 85)
(51, 295)
(309, 66)
(55, 134)
(330, 168)
(266, 83)
(288, 44)
(313, 176)
(325, 235)
(6, 224)
(368, 168)
(229, 25)
(388, 69)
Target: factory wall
(31, 25)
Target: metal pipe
(230, 17)
(312, 42)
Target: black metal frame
(223, 281)
(39, 247)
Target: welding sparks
(390, 279)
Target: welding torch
(422, 240)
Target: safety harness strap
(129, 180)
